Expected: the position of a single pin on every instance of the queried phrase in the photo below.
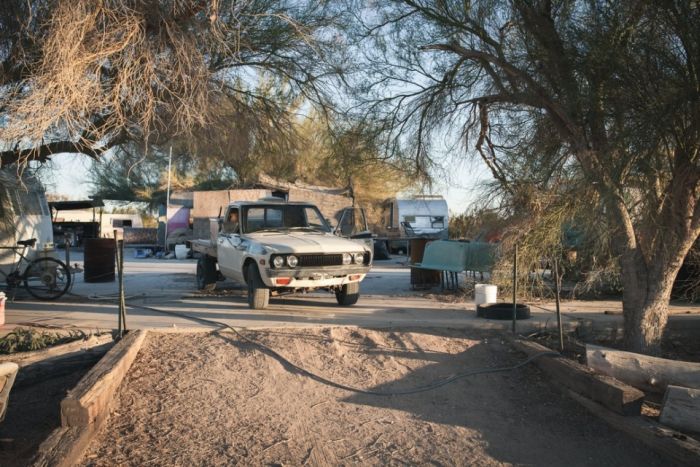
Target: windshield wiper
(309, 228)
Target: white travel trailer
(425, 215)
(24, 214)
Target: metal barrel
(99, 259)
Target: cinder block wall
(208, 203)
(329, 204)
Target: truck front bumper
(314, 277)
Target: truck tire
(381, 250)
(348, 294)
(258, 293)
(502, 311)
(206, 273)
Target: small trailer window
(3, 201)
(33, 203)
(45, 211)
(118, 223)
(16, 202)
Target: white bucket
(181, 251)
(485, 293)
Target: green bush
(24, 340)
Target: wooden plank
(93, 394)
(66, 445)
(681, 408)
(647, 373)
(8, 373)
(681, 448)
(613, 394)
(24, 359)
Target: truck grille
(320, 260)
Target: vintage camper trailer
(425, 215)
(24, 214)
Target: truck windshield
(283, 217)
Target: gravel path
(210, 399)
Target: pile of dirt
(214, 399)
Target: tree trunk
(646, 295)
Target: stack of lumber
(678, 381)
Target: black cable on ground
(318, 378)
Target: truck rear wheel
(258, 293)
(206, 273)
(348, 294)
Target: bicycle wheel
(47, 278)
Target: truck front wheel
(206, 273)
(348, 294)
(258, 294)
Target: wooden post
(122, 299)
(557, 290)
(120, 271)
(515, 286)
(66, 244)
(651, 374)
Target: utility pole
(167, 198)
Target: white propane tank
(485, 293)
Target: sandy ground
(211, 399)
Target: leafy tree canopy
(563, 100)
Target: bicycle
(44, 278)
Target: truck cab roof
(271, 200)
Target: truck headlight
(278, 262)
(292, 261)
(359, 258)
(347, 258)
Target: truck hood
(305, 242)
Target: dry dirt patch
(212, 399)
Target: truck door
(353, 225)
(230, 248)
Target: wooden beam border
(86, 407)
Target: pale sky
(70, 178)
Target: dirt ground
(34, 411)
(211, 399)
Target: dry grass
(114, 66)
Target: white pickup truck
(277, 247)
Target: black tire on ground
(258, 293)
(502, 311)
(206, 273)
(381, 251)
(348, 294)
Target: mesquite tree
(604, 96)
(84, 76)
